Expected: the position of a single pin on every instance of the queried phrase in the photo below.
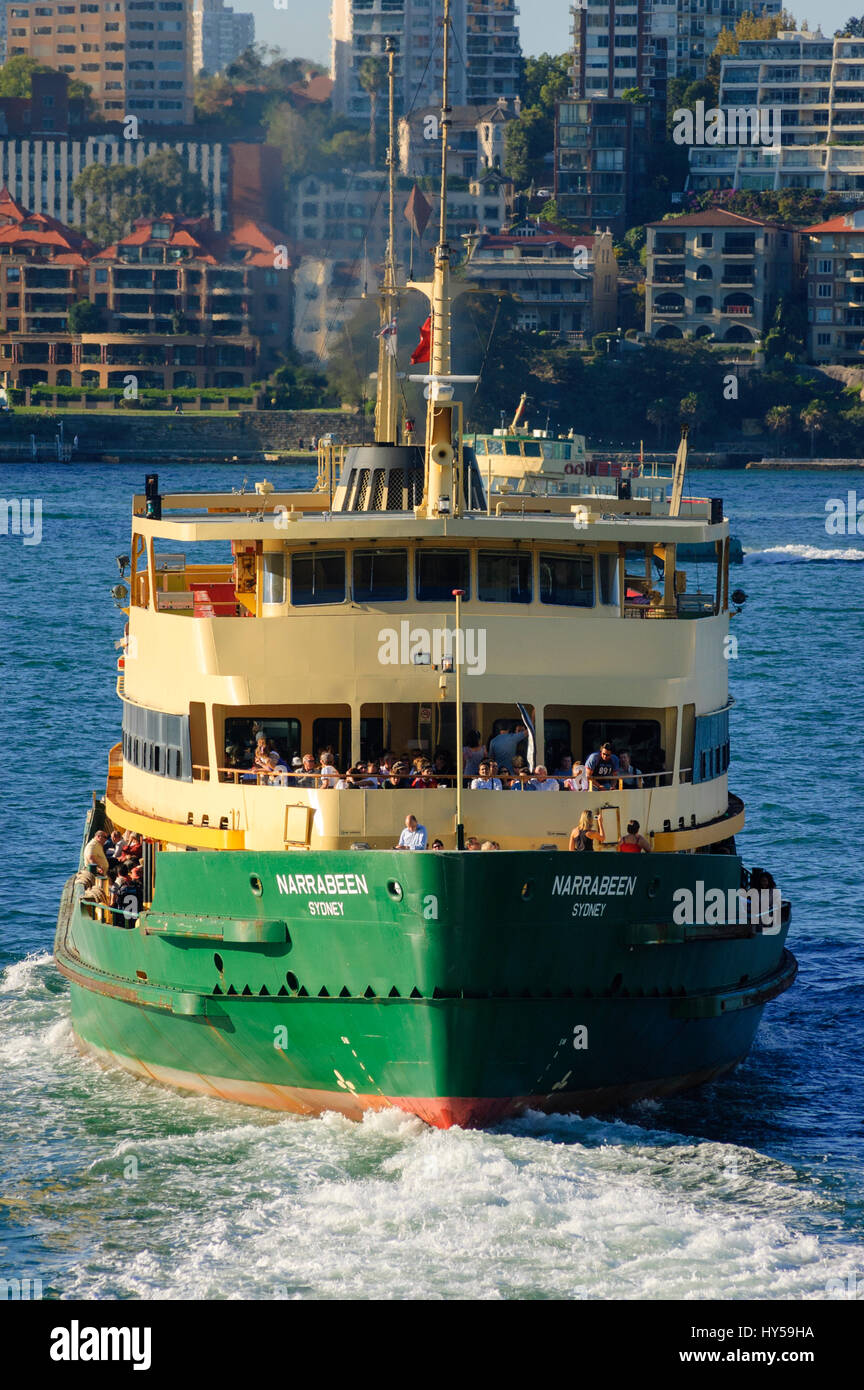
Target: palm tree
(779, 419)
(373, 74)
(814, 418)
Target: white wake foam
(800, 554)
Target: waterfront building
(135, 55)
(601, 153)
(565, 285)
(219, 35)
(477, 139)
(182, 305)
(485, 32)
(718, 275)
(835, 289)
(815, 82)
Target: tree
(372, 76)
(16, 74)
(545, 81)
(296, 386)
(85, 317)
(780, 420)
(114, 198)
(814, 418)
(852, 29)
(788, 331)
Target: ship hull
(460, 988)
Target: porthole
(291, 981)
(528, 890)
(653, 888)
(395, 890)
(256, 885)
(219, 963)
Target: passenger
(397, 781)
(542, 782)
(473, 754)
(486, 782)
(263, 749)
(95, 858)
(489, 844)
(633, 842)
(631, 777)
(113, 843)
(505, 745)
(123, 896)
(329, 773)
(441, 765)
(437, 844)
(507, 779)
(278, 776)
(413, 836)
(424, 777)
(602, 768)
(578, 780)
(564, 768)
(587, 834)
(472, 843)
(522, 781)
(305, 774)
(370, 778)
(347, 781)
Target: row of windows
(382, 576)
(157, 742)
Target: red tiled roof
(713, 217)
(42, 231)
(834, 224)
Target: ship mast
(442, 494)
(386, 399)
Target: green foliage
(797, 207)
(115, 196)
(853, 29)
(85, 317)
(295, 386)
(16, 74)
(545, 81)
(788, 332)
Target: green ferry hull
(463, 988)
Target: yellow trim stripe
(669, 841)
(169, 831)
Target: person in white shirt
(330, 775)
(578, 780)
(486, 782)
(413, 836)
(542, 781)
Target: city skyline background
(303, 31)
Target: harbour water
(750, 1188)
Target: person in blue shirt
(602, 768)
(413, 836)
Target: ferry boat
(284, 953)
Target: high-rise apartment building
(485, 57)
(620, 44)
(219, 35)
(135, 55)
(816, 85)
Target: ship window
(609, 591)
(641, 736)
(380, 576)
(439, 572)
(567, 579)
(533, 449)
(241, 734)
(492, 446)
(558, 742)
(504, 578)
(157, 742)
(318, 578)
(335, 734)
(511, 446)
(273, 566)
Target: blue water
(753, 1187)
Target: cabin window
(558, 742)
(493, 446)
(335, 734)
(567, 580)
(157, 742)
(380, 576)
(318, 578)
(609, 590)
(511, 446)
(503, 577)
(241, 736)
(533, 449)
(642, 737)
(439, 572)
(274, 572)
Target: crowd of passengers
(498, 767)
(113, 874)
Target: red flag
(423, 350)
(418, 210)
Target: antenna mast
(386, 398)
